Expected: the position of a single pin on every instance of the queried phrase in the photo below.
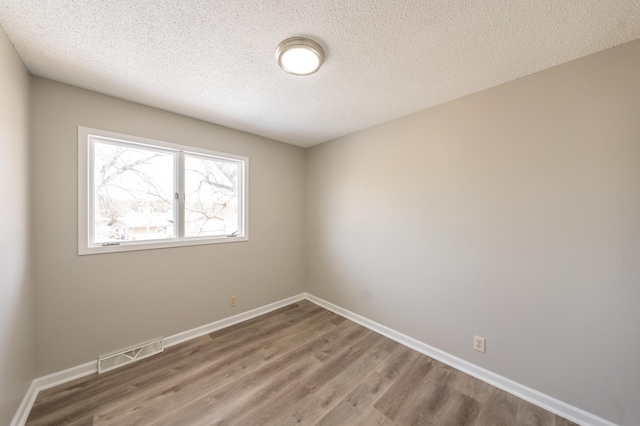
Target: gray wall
(88, 306)
(17, 352)
(513, 214)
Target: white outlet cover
(479, 344)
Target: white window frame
(85, 197)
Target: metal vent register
(127, 356)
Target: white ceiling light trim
(299, 56)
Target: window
(136, 194)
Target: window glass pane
(211, 196)
(133, 193)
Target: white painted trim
(226, 322)
(24, 409)
(86, 143)
(55, 379)
(575, 414)
(549, 403)
(41, 383)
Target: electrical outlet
(479, 344)
(233, 301)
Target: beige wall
(513, 214)
(16, 288)
(88, 306)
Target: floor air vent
(118, 359)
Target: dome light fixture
(299, 56)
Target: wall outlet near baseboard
(479, 344)
(233, 301)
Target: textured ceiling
(214, 60)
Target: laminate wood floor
(299, 365)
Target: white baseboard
(226, 322)
(49, 381)
(55, 379)
(540, 399)
(24, 409)
(569, 412)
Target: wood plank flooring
(299, 365)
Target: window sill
(133, 246)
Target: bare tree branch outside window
(134, 194)
(211, 196)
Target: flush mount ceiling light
(299, 56)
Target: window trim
(84, 198)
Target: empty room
(320, 213)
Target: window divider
(181, 205)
